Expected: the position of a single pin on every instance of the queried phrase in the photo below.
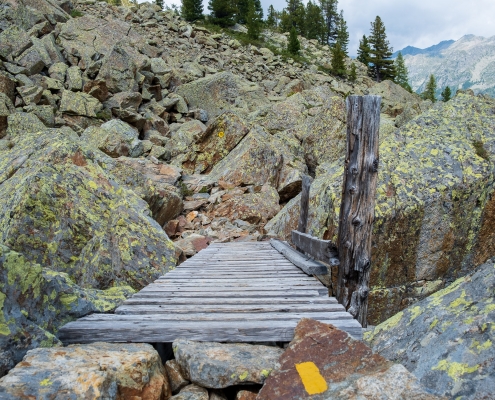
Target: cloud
(419, 23)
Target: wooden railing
(352, 252)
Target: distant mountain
(432, 50)
(467, 63)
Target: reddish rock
(193, 243)
(246, 395)
(323, 362)
(171, 227)
(175, 376)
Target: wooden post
(303, 215)
(358, 204)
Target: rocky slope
(130, 139)
(467, 63)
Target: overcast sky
(419, 23)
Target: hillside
(468, 63)
(131, 139)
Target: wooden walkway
(232, 292)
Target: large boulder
(36, 301)
(62, 209)
(323, 362)
(152, 183)
(221, 92)
(217, 365)
(434, 206)
(446, 340)
(27, 13)
(6, 108)
(115, 138)
(107, 371)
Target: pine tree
(272, 19)
(401, 73)
(330, 15)
(342, 33)
(431, 88)
(353, 73)
(222, 12)
(380, 52)
(293, 46)
(294, 17)
(242, 9)
(192, 10)
(159, 3)
(446, 94)
(253, 21)
(315, 24)
(338, 60)
(363, 53)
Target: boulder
(217, 366)
(31, 61)
(115, 138)
(192, 392)
(152, 183)
(62, 209)
(193, 244)
(210, 146)
(58, 71)
(118, 71)
(13, 42)
(434, 203)
(6, 108)
(130, 100)
(99, 370)
(254, 208)
(36, 301)
(7, 85)
(97, 89)
(220, 92)
(28, 13)
(81, 104)
(31, 95)
(446, 340)
(74, 79)
(175, 376)
(159, 66)
(182, 139)
(323, 362)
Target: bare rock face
(323, 362)
(217, 366)
(96, 371)
(446, 340)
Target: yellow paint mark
(46, 382)
(311, 378)
(221, 134)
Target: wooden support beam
(310, 267)
(303, 215)
(358, 204)
(322, 250)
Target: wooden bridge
(258, 291)
(232, 292)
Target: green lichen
(4, 329)
(244, 375)
(266, 372)
(455, 370)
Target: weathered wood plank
(246, 284)
(168, 331)
(147, 298)
(219, 308)
(324, 250)
(358, 204)
(310, 267)
(237, 292)
(303, 215)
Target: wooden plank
(307, 265)
(337, 315)
(222, 284)
(215, 280)
(238, 292)
(228, 287)
(303, 215)
(168, 331)
(357, 210)
(219, 308)
(146, 298)
(324, 250)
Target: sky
(418, 23)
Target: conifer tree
(431, 88)
(192, 10)
(342, 33)
(380, 52)
(446, 94)
(353, 73)
(253, 21)
(222, 12)
(285, 21)
(272, 18)
(338, 60)
(315, 24)
(401, 73)
(293, 46)
(331, 16)
(296, 13)
(159, 3)
(363, 53)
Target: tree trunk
(358, 204)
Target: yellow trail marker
(311, 378)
